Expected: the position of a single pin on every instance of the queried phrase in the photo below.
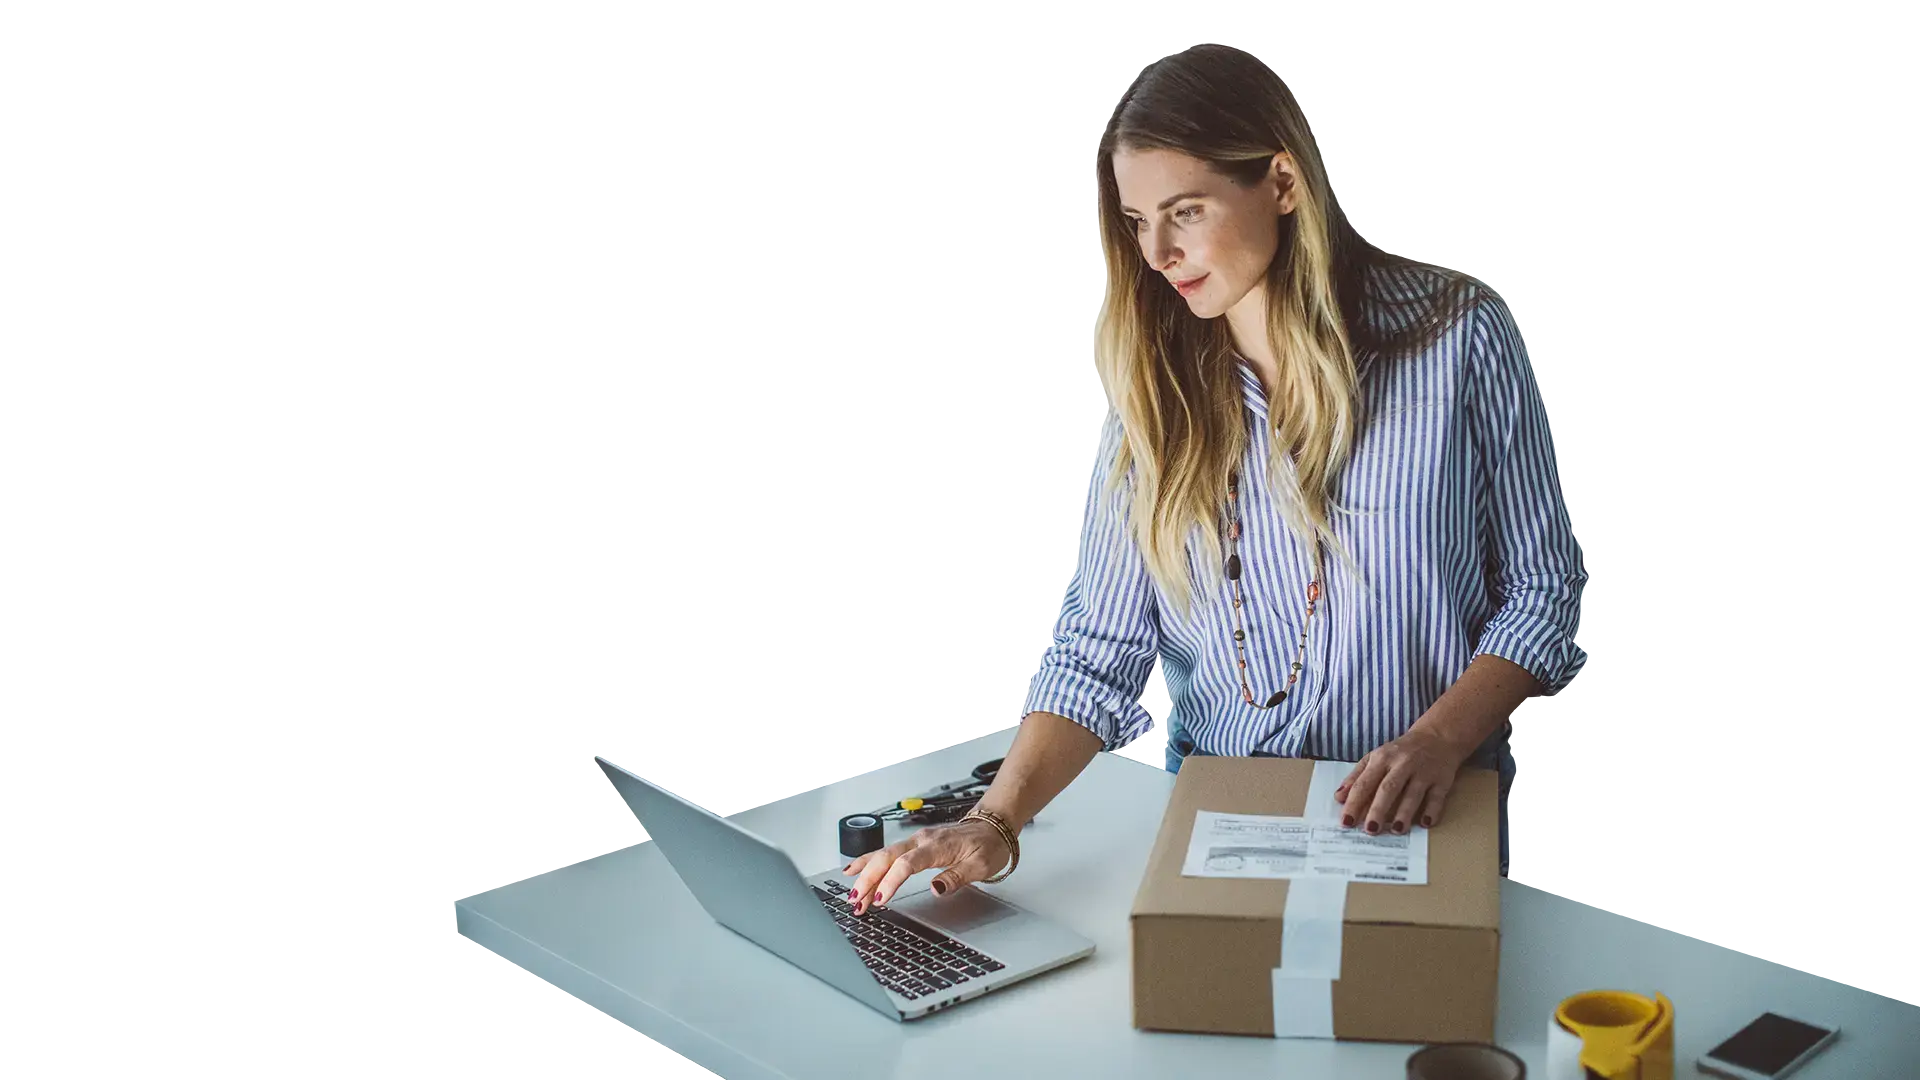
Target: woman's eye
(1185, 210)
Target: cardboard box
(1416, 963)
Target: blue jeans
(1496, 753)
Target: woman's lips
(1188, 287)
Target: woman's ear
(1285, 180)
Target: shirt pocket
(1399, 458)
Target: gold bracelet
(1006, 833)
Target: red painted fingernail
(1347, 820)
(1373, 826)
(1427, 820)
(1398, 827)
(939, 889)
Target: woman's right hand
(970, 850)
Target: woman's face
(1198, 227)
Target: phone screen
(1769, 1044)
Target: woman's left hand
(1405, 781)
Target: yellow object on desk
(1611, 1034)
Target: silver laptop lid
(749, 885)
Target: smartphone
(1767, 1049)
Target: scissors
(947, 802)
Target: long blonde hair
(1170, 376)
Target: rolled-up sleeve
(1535, 570)
(1108, 633)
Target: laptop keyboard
(905, 955)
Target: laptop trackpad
(968, 909)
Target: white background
(404, 403)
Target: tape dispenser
(1612, 1035)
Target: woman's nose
(1161, 253)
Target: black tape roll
(861, 833)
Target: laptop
(920, 954)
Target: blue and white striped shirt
(1460, 533)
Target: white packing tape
(1315, 915)
(1327, 777)
(1310, 934)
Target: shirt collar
(1255, 397)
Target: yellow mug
(1612, 1034)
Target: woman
(1325, 494)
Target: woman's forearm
(1047, 753)
(1478, 703)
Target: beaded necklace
(1240, 635)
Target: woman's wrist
(1005, 813)
(1007, 838)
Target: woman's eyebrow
(1169, 200)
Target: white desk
(622, 933)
